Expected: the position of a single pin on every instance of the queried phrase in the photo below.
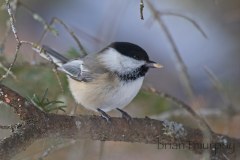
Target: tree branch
(38, 124)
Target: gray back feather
(85, 69)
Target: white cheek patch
(115, 61)
(128, 64)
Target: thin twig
(38, 18)
(19, 44)
(45, 31)
(58, 78)
(184, 76)
(12, 64)
(205, 128)
(12, 20)
(48, 27)
(183, 69)
(194, 23)
(180, 104)
(82, 49)
(220, 89)
(6, 70)
(41, 50)
(72, 34)
(182, 113)
(141, 9)
(14, 30)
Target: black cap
(130, 50)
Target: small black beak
(151, 64)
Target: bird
(105, 80)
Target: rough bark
(37, 124)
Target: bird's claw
(125, 115)
(104, 115)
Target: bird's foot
(125, 115)
(104, 115)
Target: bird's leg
(104, 115)
(125, 115)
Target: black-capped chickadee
(107, 80)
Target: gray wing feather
(76, 70)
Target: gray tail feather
(53, 56)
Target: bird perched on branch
(106, 80)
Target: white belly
(104, 96)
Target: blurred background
(210, 83)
